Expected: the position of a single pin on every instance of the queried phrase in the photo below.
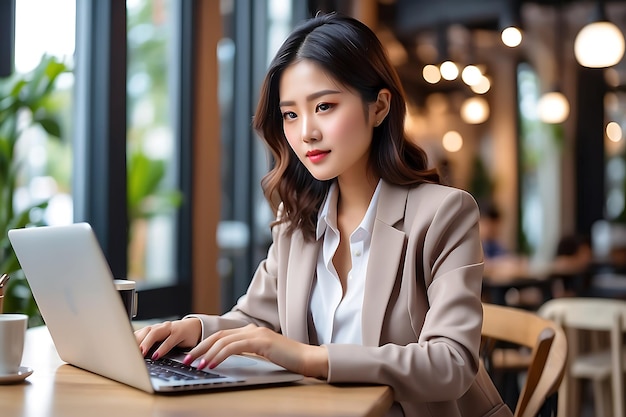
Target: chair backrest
(585, 313)
(548, 346)
(595, 314)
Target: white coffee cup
(12, 334)
(128, 291)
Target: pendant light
(599, 44)
(452, 141)
(511, 33)
(553, 106)
(472, 74)
(448, 68)
(475, 110)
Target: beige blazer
(422, 309)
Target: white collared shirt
(338, 320)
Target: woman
(374, 273)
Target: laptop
(73, 287)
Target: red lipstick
(316, 156)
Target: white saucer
(21, 375)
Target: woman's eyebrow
(310, 97)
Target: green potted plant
(147, 196)
(25, 100)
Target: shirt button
(357, 252)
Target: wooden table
(57, 389)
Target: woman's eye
(324, 107)
(289, 115)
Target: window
(538, 158)
(46, 160)
(152, 151)
(131, 134)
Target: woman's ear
(381, 106)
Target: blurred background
(136, 116)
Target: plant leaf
(49, 125)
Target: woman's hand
(185, 333)
(295, 356)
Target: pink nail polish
(202, 364)
(188, 359)
(212, 365)
(155, 356)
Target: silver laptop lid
(72, 285)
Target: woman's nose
(310, 132)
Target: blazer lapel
(301, 268)
(386, 254)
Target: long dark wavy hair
(349, 52)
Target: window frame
(99, 171)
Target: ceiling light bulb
(471, 75)
(452, 141)
(599, 45)
(449, 70)
(614, 131)
(482, 87)
(431, 74)
(475, 110)
(553, 107)
(511, 36)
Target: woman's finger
(215, 349)
(152, 335)
(169, 334)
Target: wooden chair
(599, 357)
(546, 344)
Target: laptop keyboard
(170, 370)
